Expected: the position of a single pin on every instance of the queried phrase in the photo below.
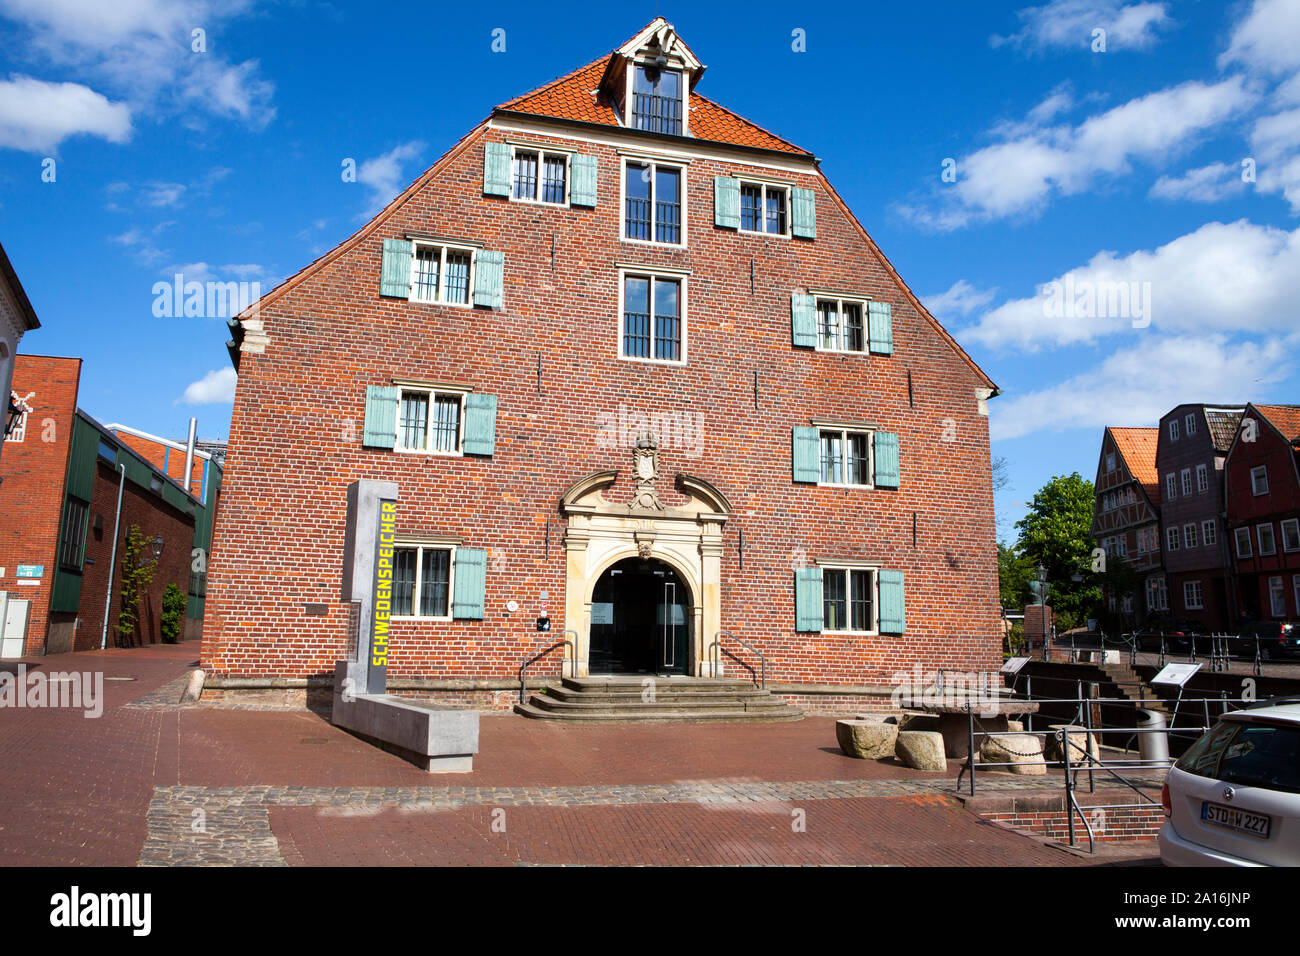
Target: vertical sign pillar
(368, 577)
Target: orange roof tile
(1285, 418)
(576, 96)
(1137, 446)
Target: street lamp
(158, 544)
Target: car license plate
(1233, 818)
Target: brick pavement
(286, 787)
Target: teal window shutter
(496, 169)
(808, 599)
(480, 424)
(804, 220)
(469, 593)
(395, 271)
(880, 328)
(489, 278)
(582, 187)
(726, 202)
(886, 455)
(381, 416)
(803, 320)
(893, 611)
(806, 449)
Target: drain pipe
(189, 455)
(112, 561)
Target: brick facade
(31, 492)
(550, 356)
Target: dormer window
(657, 99)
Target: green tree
(137, 576)
(1057, 533)
(1015, 571)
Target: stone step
(661, 716)
(552, 705)
(634, 695)
(635, 683)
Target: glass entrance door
(640, 620)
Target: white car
(1233, 799)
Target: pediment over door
(593, 495)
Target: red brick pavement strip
(890, 831)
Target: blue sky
(1161, 154)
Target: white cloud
(37, 116)
(961, 299)
(1267, 39)
(142, 49)
(162, 194)
(1019, 176)
(1221, 277)
(217, 387)
(383, 174)
(1137, 385)
(1276, 142)
(1211, 183)
(1069, 24)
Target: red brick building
(63, 475)
(1262, 479)
(17, 317)
(608, 256)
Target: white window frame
(1171, 485)
(839, 311)
(1110, 462)
(1189, 424)
(431, 392)
(1173, 429)
(1193, 597)
(1276, 596)
(1237, 537)
(1122, 545)
(1292, 524)
(1157, 594)
(844, 434)
(789, 212)
(874, 570)
(1189, 535)
(683, 280)
(1202, 479)
(653, 163)
(416, 245)
(1210, 532)
(1171, 538)
(19, 434)
(1186, 476)
(1272, 539)
(420, 547)
(1259, 472)
(542, 152)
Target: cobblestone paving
(236, 823)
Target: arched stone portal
(688, 538)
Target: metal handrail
(717, 647)
(572, 645)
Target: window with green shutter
(395, 269)
(726, 202)
(803, 320)
(381, 416)
(804, 208)
(808, 599)
(469, 590)
(480, 424)
(806, 455)
(880, 327)
(496, 169)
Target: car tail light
(1165, 801)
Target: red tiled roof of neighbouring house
(1137, 446)
(577, 96)
(1285, 418)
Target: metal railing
(523, 668)
(1075, 759)
(716, 648)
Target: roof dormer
(649, 80)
